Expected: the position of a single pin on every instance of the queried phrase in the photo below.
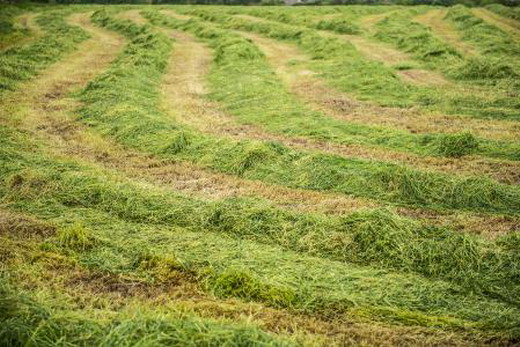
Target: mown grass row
(131, 115)
(341, 20)
(276, 226)
(413, 38)
(108, 224)
(278, 110)
(9, 32)
(420, 41)
(45, 322)
(375, 237)
(46, 316)
(335, 59)
(417, 39)
(22, 63)
(510, 12)
(378, 83)
(490, 40)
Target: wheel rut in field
(510, 26)
(445, 31)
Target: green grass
(346, 69)
(511, 12)
(24, 62)
(26, 321)
(91, 256)
(259, 272)
(372, 237)
(10, 33)
(341, 20)
(117, 106)
(490, 40)
(420, 41)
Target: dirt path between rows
(445, 31)
(510, 26)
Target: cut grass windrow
(510, 26)
(346, 69)
(110, 256)
(320, 98)
(208, 118)
(489, 39)
(44, 318)
(506, 11)
(252, 212)
(113, 216)
(375, 237)
(55, 277)
(13, 26)
(47, 119)
(44, 106)
(344, 27)
(443, 29)
(127, 116)
(277, 106)
(482, 69)
(22, 63)
(411, 120)
(293, 64)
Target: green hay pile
(457, 145)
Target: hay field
(257, 176)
